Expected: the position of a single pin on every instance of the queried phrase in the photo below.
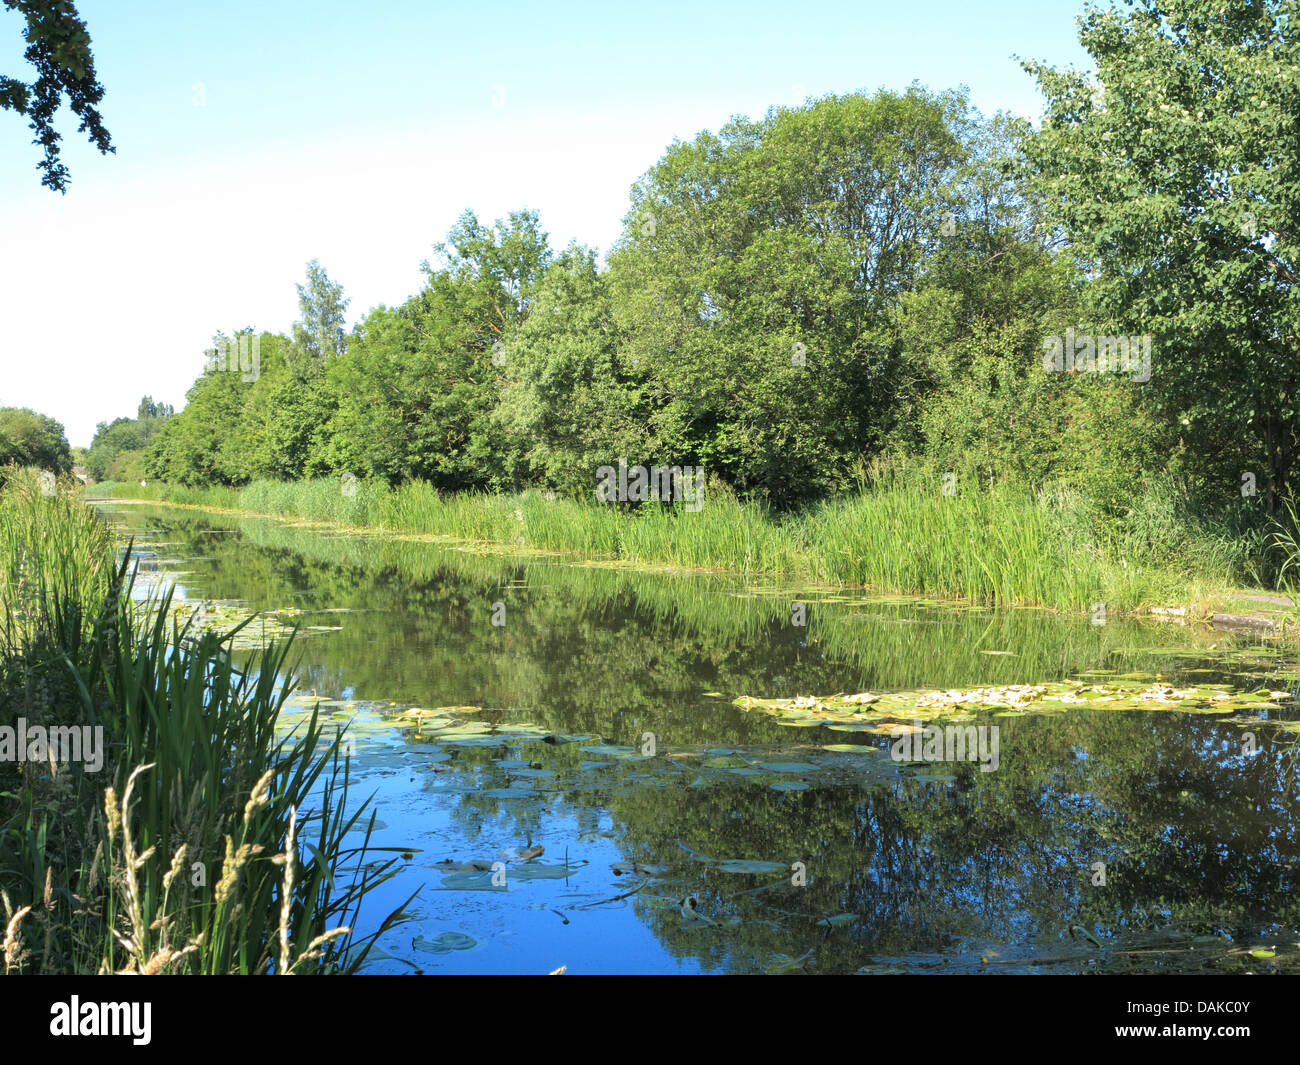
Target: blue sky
(254, 136)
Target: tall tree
(1176, 173)
(319, 334)
(755, 275)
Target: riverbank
(150, 819)
(992, 547)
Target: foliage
(1176, 176)
(59, 47)
(116, 451)
(190, 852)
(31, 439)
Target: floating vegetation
(248, 630)
(893, 713)
(444, 944)
(838, 919)
(740, 865)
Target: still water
(680, 833)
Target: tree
(502, 264)
(32, 439)
(319, 335)
(754, 279)
(1176, 174)
(565, 408)
(122, 442)
(59, 47)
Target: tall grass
(993, 545)
(204, 843)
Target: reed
(206, 842)
(995, 545)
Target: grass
(999, 546)
(205, 844)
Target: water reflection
(1161, 835)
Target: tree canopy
(31, 439)
(801, 302)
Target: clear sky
(255, 135)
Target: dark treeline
(864, 282)
(789, 298)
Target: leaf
(743, 865)
(1078, 930)
(444, 944)
(837, 920)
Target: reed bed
(204, 841)
(998, 545)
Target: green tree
(1175, 172)
(319, 335)
(755, 276)
(566, 405)
(114, 443)
(417, 388)
(200, 445)
(59, 47)
(32, 439)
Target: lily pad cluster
(892, 713)
(257, 628)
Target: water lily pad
(789, 767)
(509, 793)
(608, 749)
(471, 882)
(742, 865)
(444, 944)
(789, 785)
(837, 920)
(536, 871)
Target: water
(864, 863)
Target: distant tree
(114, 443)
(319, 335)
(32, 439)
(59, 47)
